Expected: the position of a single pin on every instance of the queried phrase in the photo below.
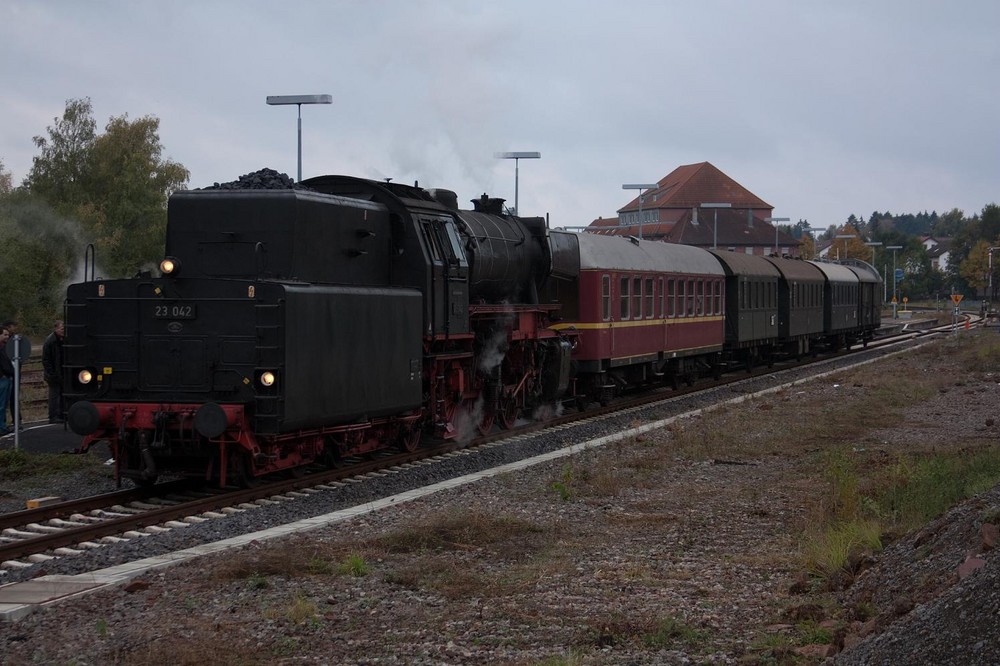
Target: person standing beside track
(11, 326)
(52, 370)
(6, 380)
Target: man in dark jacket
(52, 370)
(6, 380)
(11, 327)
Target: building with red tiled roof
(673, 212)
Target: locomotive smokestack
(489, 205)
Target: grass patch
(17, 464)
(920, 488)
(891, 498)
(774, 649)
(509, 536)
(355, 566)
(657, 633)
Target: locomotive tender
(344, 316)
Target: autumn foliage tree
(109, 189)
(116, 184)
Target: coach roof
(836, 272)
(630, 254)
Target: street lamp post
(989, 289)
(845, 237)
(873, 245)
(894, 303)
(641, 187)
(772, 220)
(299, 100)
(715, 227)
(530, 155)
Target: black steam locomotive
(304, 324)
(312, 323)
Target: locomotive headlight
(267, 378)
(85, 376)
(169, 266)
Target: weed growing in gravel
(658, 633)
(564, 485)
(319, 566)
(810, 633)
(668, 631)
(102, 627)
(774, 649)
(299, 610)
(256, 581)
(574, 658)
(354, 565)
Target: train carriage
(800, 304)
(841, 296)
(870, 297)
(751, 305)
(643, 311)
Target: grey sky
(822, 109)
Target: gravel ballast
(614, 557)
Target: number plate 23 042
(174, 311)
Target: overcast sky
(822, 109)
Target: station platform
(42, 437)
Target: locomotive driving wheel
(486, 419)
(509, 411)
(409, 439)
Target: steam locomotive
(342, 316)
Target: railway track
(68, 529)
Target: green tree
(58, 175)
(6, 181)
(975, 267)
(948, 224)
(989, 223)
(807, 249)
(116, 184)
(40, 249)
(128, 187)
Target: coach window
(701, 298)
(680, 298)
(659, 301)
(648, 292)
(637, 298)
(606, 297)
(671, 300)
(718, 297)
(690, 298)
(623, 286)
